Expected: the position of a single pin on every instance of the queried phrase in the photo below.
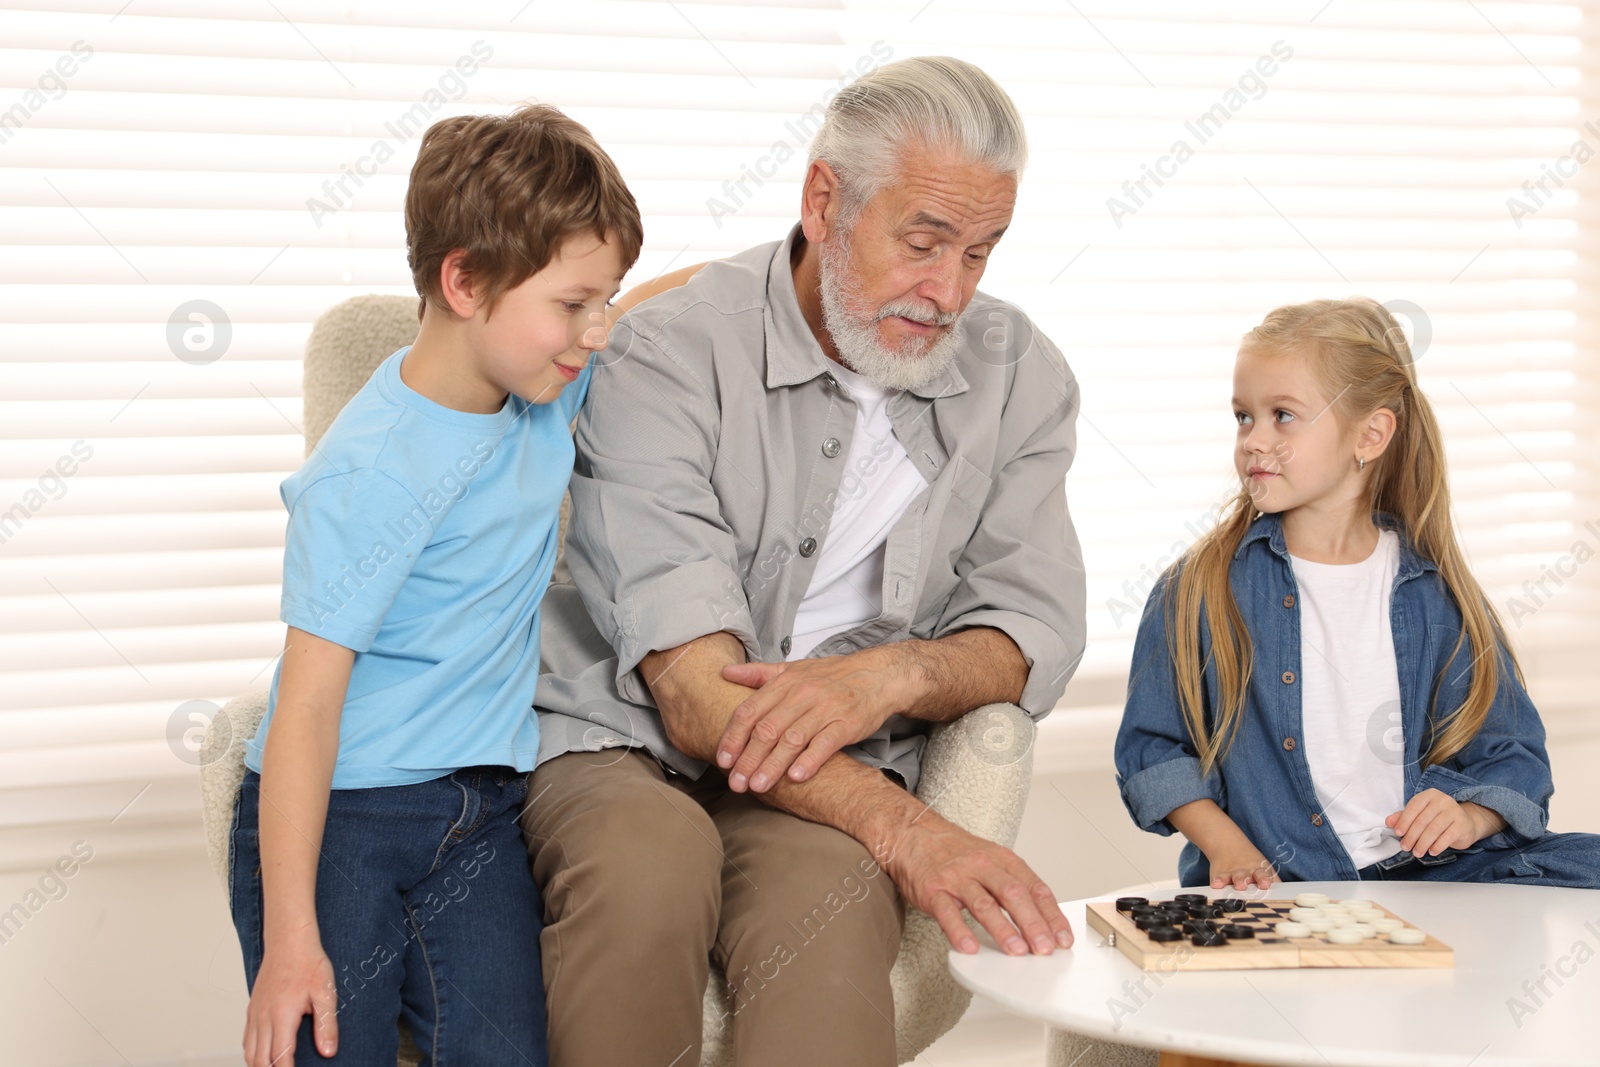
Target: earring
(1361, 463)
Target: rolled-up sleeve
(1158, 770)
(1505, 767)
(1022, 569)
(650, 552)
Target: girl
(1320, 689)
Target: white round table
(1524, 991)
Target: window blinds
(184, 186)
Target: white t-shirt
(1350, 697)
(876, 486)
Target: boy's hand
(295, 980)
(1241, 867)
(1432, 822)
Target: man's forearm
(937, 866)
(854, 798)
(696, 703)
(694, 699)
(959, 672)
(940, 680)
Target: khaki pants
(647, 877)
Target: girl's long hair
(1359, 356)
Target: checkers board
(1263, 948)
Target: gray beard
(853, 325)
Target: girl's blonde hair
(1359, 356)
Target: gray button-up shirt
(712, 453)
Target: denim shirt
(1264, 782)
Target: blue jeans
(1554, 859)
(428, 912)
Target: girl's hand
(1433, 821)
(296, 979)
(1235, 861)
(1241, 867)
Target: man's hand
(944, 870)
(804, 712)
(937, 866)
(1432, 822)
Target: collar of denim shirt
(1269, 527)
(793, 354)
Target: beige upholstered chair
(976, 771)
(1066, 1049)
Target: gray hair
(937, 101)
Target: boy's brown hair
(509, 189)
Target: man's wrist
(903, 666)
(886, 825)
(940, 679)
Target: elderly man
(819, 504)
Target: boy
(378, 871)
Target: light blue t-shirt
(423, 539)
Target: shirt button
(1316, 820)
(830, 447)
(833, 383)
(1288, 601)
(1288, 744)
(785, 645)
(1288, 676)
(808, 546)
